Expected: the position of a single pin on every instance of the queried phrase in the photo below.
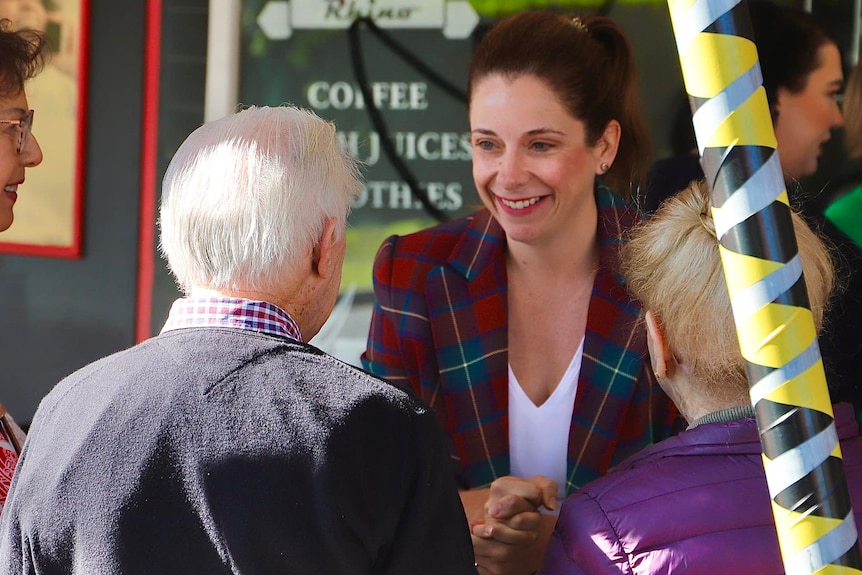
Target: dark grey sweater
(216, 450)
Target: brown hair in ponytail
(588, 62)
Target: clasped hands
(511, 537)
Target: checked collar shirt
(239, 313)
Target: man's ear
(661, 357)
(325, 260)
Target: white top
(539, 435)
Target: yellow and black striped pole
(801, 455)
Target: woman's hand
(512, 536)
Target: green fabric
(724, 415)
(845, 214)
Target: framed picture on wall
(48, 211)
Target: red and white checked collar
(240, 313)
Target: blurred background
(131, 80)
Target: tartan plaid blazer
(439, 327)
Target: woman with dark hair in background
(838, 210)
(841, 202)
(512, 323)
(803, 78)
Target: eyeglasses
(25, 124)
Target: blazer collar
(479, 246)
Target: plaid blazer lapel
(614, 355)
(468, 315)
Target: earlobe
(607, 146)
(663, 362)
(325, 257)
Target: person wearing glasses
(226, 444)
(45, 218)
(20, 60)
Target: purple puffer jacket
(695, 503)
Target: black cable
(417, 64)
(380, 125)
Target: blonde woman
(697, 502)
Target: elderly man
(226, 444)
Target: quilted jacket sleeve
(584, 541)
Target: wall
(181, 111)
(57, 315)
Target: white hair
(246, 197)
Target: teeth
(520, 204)
(11, 188)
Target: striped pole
(777, 336)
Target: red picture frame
(49, 210)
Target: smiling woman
(20, 59)
(532, 166)
(49, 211)
(18, 150)
(513, 323)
